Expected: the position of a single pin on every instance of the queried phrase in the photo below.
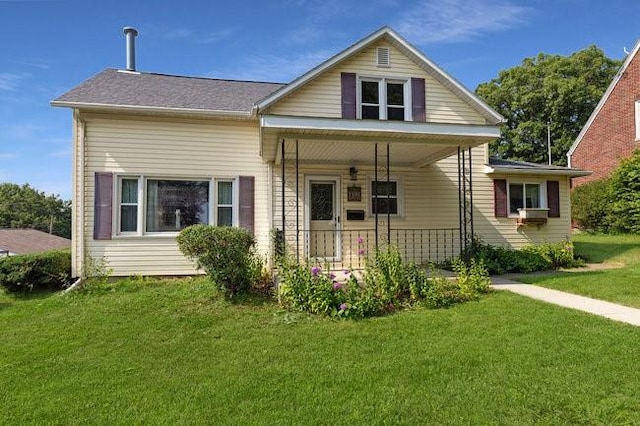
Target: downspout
(79, 200)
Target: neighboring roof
(24, 241)
(604, 99)
(115, 89)
(498, 165)
(399, 42)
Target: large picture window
(384, 197)
(524, 196)
(158, 205)
(172, 205)
(384, 99)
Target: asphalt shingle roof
(112, 87)
(24, 241)
(499, 162)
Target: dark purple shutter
(417, 100)
(553, 198)
(247, 209)
(348, 84)
(103, 206)
(500, 202)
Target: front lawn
(151, 352)
(619, 285)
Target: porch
(339, 194)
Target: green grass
(149, 352)
(621, 285)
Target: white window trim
(542, 194)
(142, 202)
(399, 196)
(382, 95)
(235, 202)
(637, 116)
(117, 207)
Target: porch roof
(340, 141)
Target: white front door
(323, 209)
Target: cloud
(215, 36)
(267, 67)
(7, 155)
(42, 64)
(178, 33)
(10, 81)
(202, 37)
(22, 131)
(449, 21)
(63, 153)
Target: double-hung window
(149, 205)
(384, 99)
(224, 198)
(384, 197)
(524, 196)
(128, 205)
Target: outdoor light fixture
(353, 172)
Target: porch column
(297, 205)
(375, 198)
(388, 198)
(465, 198)
(284, 219)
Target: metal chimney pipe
(131, 34)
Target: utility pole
(549, 139)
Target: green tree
(626, 191)
(26, 207)
(561, 91)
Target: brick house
(613, 129)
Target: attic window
(383, 57)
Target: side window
(224, 203)
(128, 205)
(524, 196)
(384, 197)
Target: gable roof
(604, 99)
(116, 89)
(498, 165)
(24, 241)
(410, 51)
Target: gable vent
(383, 57)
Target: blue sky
(49, 46)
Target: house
(612, 132)
(26, 241)
(377, 144)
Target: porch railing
(350, 248)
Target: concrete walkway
(574, 301)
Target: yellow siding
(321, 97)
(503, 231)
(430, 201)
(168, 147)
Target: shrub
(49, 270)
(387, 284)
(501, 260)
(625, 211)
(591, 205)
(473, 277)
(225, 253)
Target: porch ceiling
(351, 142)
